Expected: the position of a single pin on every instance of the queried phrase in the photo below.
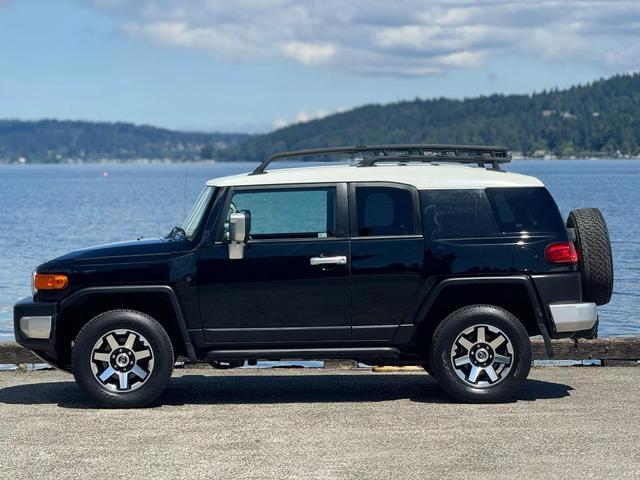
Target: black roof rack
(372, 154)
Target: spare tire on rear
(596, 263)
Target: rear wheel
(480, 353)
(123, 358)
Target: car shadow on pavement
(271, 389)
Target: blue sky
(253, 65)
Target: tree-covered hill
(601, 118)
(55, 141)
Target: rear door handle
(339, 260)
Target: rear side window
(525, 210)
(384, 211)
(449, 214)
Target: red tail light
(563, 252)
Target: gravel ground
(580, 422)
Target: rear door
(293, 283)
(387, 250)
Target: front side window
(287, 213)
(384, 211)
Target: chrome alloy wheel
(122, 360)
(482, 355)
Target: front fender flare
(164, 289)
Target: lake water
(47, 210)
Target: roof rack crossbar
(372, 154)
(404, 160)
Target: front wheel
(480, 354)
(123, 358)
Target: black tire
(148, 334)
(484, 389)
(594, 247)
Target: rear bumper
(573, 317)
(567, 315)
(34, 325)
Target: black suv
(402, 256)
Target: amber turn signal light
(57, 281)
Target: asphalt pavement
(577, 422)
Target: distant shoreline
(230, 162)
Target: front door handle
(339, 260)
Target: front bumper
(573, 317)
(34, 325)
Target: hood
(151, 246)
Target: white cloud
(309, 53)
(280, 123)
(464, 58)
(303, 116)
(404, 37)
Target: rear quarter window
(491, 212)
(451, 214)
(530, 209)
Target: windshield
(197, 211)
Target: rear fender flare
(525, 281)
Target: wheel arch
(158, 301)
(514, 293)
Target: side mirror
(239, 228)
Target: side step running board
(304, 353)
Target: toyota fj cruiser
(400, 257)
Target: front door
(292, 284)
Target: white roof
(422, 176)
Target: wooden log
(339, 364)
(613, 348)
(625, 348)
(394, 369)
(620, 363)
(14, 354)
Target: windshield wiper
(175, 231)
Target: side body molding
(164, 289)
